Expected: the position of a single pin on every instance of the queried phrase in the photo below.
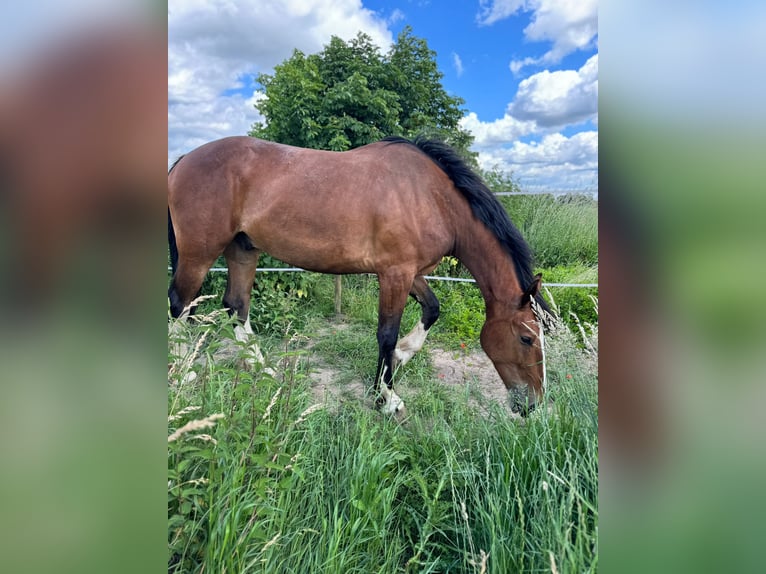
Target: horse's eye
(526, 340)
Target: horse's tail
(172, 245)
(171, 232)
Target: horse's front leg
(394, 288)
(413, 342)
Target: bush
(462, 314)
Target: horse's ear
(533, 290)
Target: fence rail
(434, 277)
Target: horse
(392, 208)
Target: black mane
(484, 204)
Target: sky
(527, 70)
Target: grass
(276, 483)
(560, 231)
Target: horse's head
(512, 339)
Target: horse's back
(342, 212)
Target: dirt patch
(470, 373)
(473, 372)
(326, 387)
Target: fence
(339, 289)
(433, 277)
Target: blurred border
(83, 135)
(682, 324)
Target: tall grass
(560, 231)
(276, 484)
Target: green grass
(560, 231)
(285, 488)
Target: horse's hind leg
(413, 342)
(186, 284)
(242, 261)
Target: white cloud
(568, 25)
(213, 44)
(498, 132)
(556, 99)
(216, 47)
(495, 10)
(396, 16)
(200, 122)
(458, 63)
(553, 163)
(544, 101)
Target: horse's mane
(484, 204)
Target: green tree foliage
(351, 94)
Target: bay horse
(392, 208)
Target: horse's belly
(319, 254)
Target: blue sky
(527, 69)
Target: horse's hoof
(389, 403)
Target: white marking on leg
(411, 344)
(253, 350)
(243, 333)
(394, 404)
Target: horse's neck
(492, 267)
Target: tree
(350, 95)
